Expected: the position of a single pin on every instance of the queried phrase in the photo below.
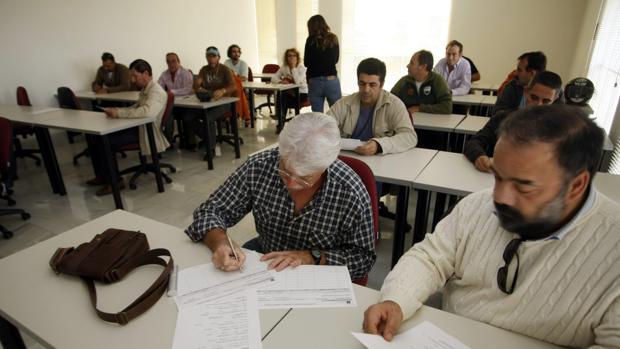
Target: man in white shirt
(234, 62)
(455, 69)
(176, 79)
(537, 255)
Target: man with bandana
(537, 255)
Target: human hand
(100, 90)
(369, 148)
(282, 259)
(383, 319)
(111, 112)
(483, 163)
(414, 109)
(224, 259)
(217, 94)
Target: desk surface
(336, 324)
(436, 122)
(471, 124)
(72, 120)
(125, 96)
(193, 102)
(484, 86)
(452, 173)
(400, 169)
(263, 75)
(468, 99)
(268, 86)
(56, 311)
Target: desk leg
(298, 96)
(251, 102)
(440, 208)
(49, 159)
(235, 129)
(279, 111)
(111, 171)
(402, 203)
(155, 157)
(10, 336)
(207, 140)
(421, 216)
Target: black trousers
(117, 139)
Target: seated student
(528, 65)
(111, 76)
(293, 72)
(455, 69)
(475, 73)
(544, 89)
(176, 78)
(218, 80)
(373, 114)
(151, 102)
(425, 91)
(536, 255)
(235, 63)
(308, 206)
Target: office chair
(6, 161)
(167, 128)
(68, 100)
(24, 131)
(368, 178)
(267, 69)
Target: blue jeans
(320, 88)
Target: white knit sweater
(567, 291)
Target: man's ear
(578, 185)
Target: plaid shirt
(337, 221)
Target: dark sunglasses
(502, 274)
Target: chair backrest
(22, 96)
(167, 121)
(250, 75)
(270, 69)
(5, 144)
(67, 99)
(368, 178)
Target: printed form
(423, 336)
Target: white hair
(310, 143)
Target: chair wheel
(168, 180)
(25, 216)
(132, 186)
(38, 162)
(11, 202)
(173, 170)
(7, 234)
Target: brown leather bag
(107, 258)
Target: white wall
(47, 44)
(495, 32)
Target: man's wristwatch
(316, 254)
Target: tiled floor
(192, 183)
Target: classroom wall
(47, 44)
(495, 32)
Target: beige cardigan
(151, 102)
(392, 128)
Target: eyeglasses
(502, 274)
(303, 182)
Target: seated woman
(292, 72)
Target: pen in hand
(233, 251)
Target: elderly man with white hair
(308, 206)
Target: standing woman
(292, 72)
(320, 57)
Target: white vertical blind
(391, 31)
(604, 69)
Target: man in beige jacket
(151, 102)
(374, 115)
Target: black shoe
(384, 212)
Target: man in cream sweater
(537, 255)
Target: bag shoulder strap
(148, 298)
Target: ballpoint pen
(233, 250)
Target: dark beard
(513, 221)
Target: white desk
(331, 328)
(56, 311)
(268, 76)
(436, 122)
(485, 86)
(469, 100)
(125, 96)
(83, 121)
(471, 124)
(251, 86)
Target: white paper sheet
(204, 282)
(423, 336)
(308, 286)
(349, 143)
(223, 323)
(43, 111)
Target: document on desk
(423, 336)
(204, 282)
(350, 143)
(227, 322)
(43, 111)
(308, 286)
